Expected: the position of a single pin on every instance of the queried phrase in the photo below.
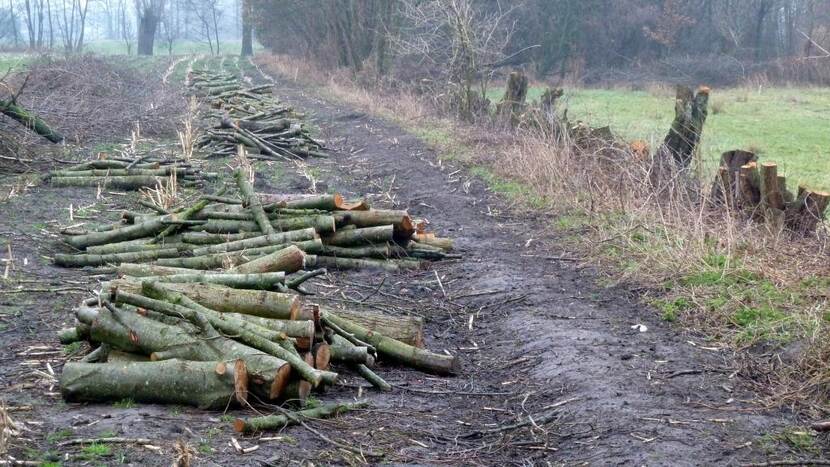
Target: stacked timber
(745, 185)
(129, 174)
(208, 308)
(250, 116)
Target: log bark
(77, 261)
(140, 245)
(407, 354)
(330, 262)
(290, 259)
(256, 242)
(202, 384)
(277, 422)
(130, 182)
(132, 232)
(76, 333)
(251, 199)
(33, 122)
(322, 224)
(361, 237)
(404, 228)
(271, 305)
(330, 202)
(343, 351)
(144, 270)
(263, 281)
(407, 329)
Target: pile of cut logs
(129, 174)
(745, 184)
(207, 309)
(252, 117)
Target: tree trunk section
(201, 384)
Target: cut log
(132, 232)
(272, 305)
(771, 195)
(322, 224)
(263, 281)
(251, 199)
(407, 329)
(17, 113)
(256, 242)
(332, 202)
(404, 228)
(330, 262)
(130, 182)
(77, 261)
(202, 384)
(361, 237)
(343, 351)
(290, 259)
(77, 333)
(277, 422)
(143, 270)
(729, 171)
(407, 354)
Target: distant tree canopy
(574, 38)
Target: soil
(593, 376)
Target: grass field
(787, 125)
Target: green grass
(14, 61)
(126, 403)
(110, 47)
(786, 125)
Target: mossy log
(262, 281)
(251, 199)
(376, 252)
(205, 238)
(143, 229)
(265, 304)
(326, 202)
(290, 259)
(201, 384)
(14, 111)
(130, 182)
(343, 351)
(361, 237)
(807, 210)
(407, 329)
(144, 270)
(513, 104)
(256, 242)
(396, 350)
(161, 172)
(140, 245)
(278, 422)
(321, 223)
(331, 262)
(400, 220)
(77, 333)
(77, 261)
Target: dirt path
(541, 346)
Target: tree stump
(690, 111)
(513, 103)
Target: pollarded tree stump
(513, 103)
(690, 112)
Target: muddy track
(538, 341)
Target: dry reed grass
(722, 275)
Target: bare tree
(72, 23)
(126, 26)
(460, 43)
(208, 14)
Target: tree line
(558, 38)
(141, 25)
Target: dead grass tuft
(8, 429)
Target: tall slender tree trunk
(247, 30)
(147, 24)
